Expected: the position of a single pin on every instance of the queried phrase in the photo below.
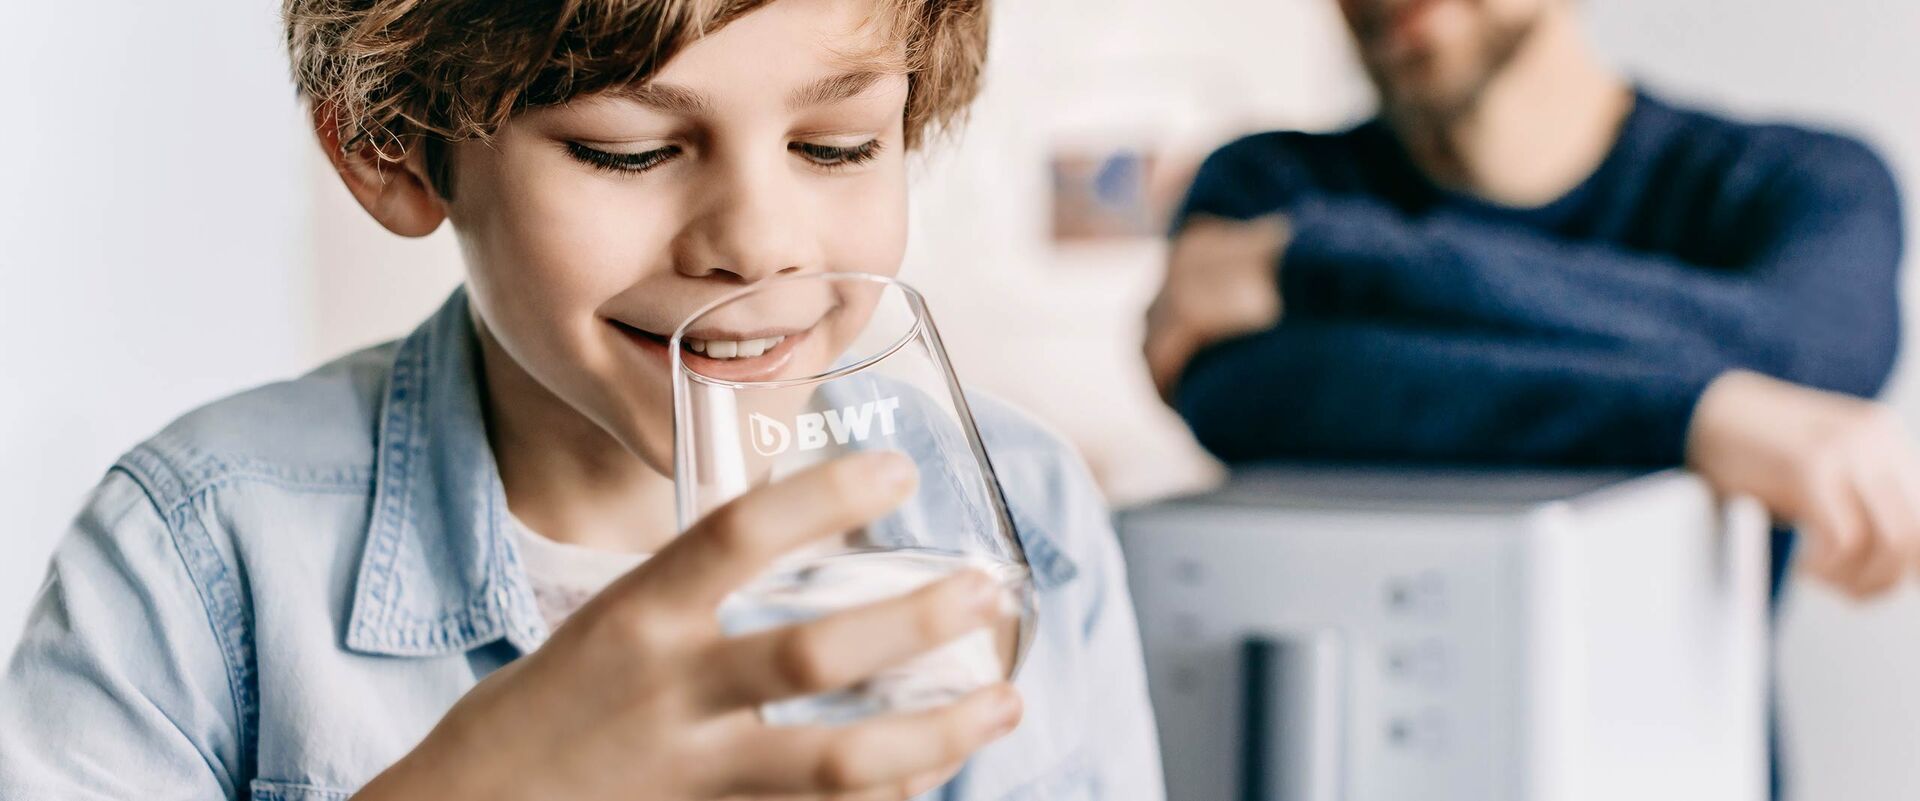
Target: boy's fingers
(901, 791)
(911, 788)
(738, 541)
(933, 778)
(843, 648)
(877, 755)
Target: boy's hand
(1222, 281)
(1841, 468)
(639, 696)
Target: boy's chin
(651, 445)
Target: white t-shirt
(564, 576)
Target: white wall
(1058, 329)
(153, 241)
(1851, 674)
(167, 234)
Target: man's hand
(1222, 281)
(640, 696)
(1841, 468)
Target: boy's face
(592, 229)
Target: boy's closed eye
(826, 156)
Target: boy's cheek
(868, 230)
(556, 246)
(537, 215)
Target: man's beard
(1448, 102)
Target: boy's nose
(751, 228)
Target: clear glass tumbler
(793, 371)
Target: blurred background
(169, 233)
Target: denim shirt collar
(439, 573)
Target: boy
(390, 578)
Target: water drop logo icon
(770, 437)
(818, 430)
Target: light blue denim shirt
(280, 594)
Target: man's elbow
(1856, 358)
(1215, 398)
(1875, 364)
(1206, 407)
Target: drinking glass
(793, 371)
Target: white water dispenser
(1330, 634)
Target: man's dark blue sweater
(1425, 325)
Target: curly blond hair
(437, 71)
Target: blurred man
(1526, 259)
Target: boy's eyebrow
(664, 97)
(678, 100)
(833, 89)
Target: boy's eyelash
(832, 157)
(826, 156)
(622, 162)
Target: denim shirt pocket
(266, 790)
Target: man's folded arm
(1813, 301)
(1342, 389)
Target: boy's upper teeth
(732, 348)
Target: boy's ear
(397, 194)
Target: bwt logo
(815, 429)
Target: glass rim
(913, 296)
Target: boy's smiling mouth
(757, 355)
